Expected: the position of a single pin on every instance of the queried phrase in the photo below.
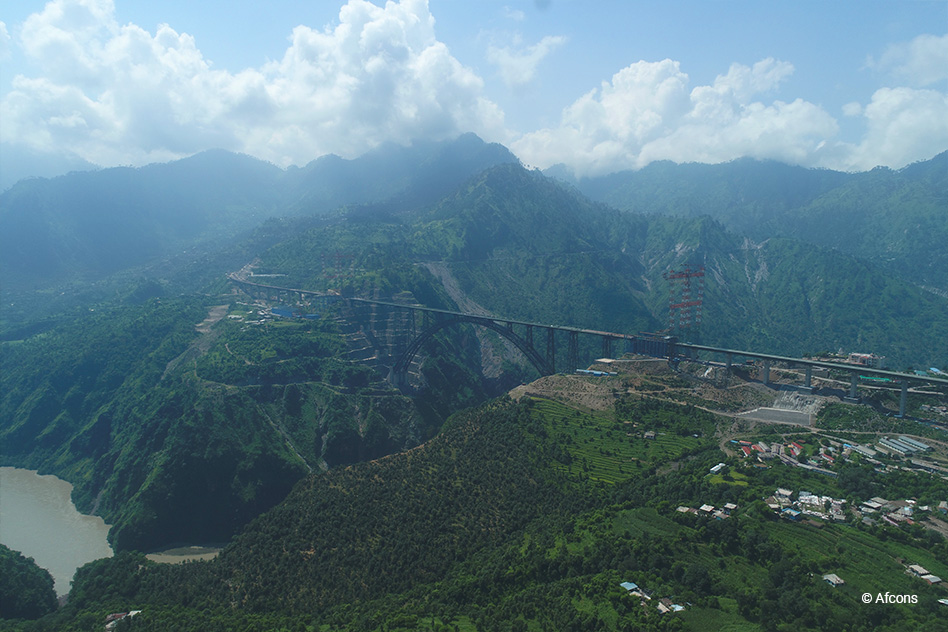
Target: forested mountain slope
(86, 225)
(896, 219)
(90, 224)
(26, 590)
(529, 515)
(524, 248)
(174, 432)
(521, 246)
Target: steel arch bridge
(644, 344)
(543, 365)
(534, 336)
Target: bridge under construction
(539, 342)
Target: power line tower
(685, 297)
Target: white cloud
(918, 63)
(514, 14)
(647, 113)
(117, 94)
(904, 125)
(4, 42)
(518, 66)
(852, 109)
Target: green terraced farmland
(601, 448)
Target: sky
(596, 86)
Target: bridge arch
(404, 361)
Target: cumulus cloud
(904, 125)
(117, 94)
(648, 113)
(518, 66)
(918, 63)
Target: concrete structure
(863, 450)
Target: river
(38, 519)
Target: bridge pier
(765, 374)
(728, 361)
(853, 383)
(606, 347)
(551, 347)
(399, 379)
(903, 398)
(572, 352)
(808, 377)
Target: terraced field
(865, 562)
(604, 449)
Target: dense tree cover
(522, 247)
(26, 590)
(112, 396)
(518, 515)
(894, 218)
(479, 529)
(57, 387)
(175, 435)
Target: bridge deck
(674, 345)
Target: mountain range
(895, 219)
(182, 411)
(88, 225)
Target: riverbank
(184, 554)
(38, 519)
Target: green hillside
(175, 434)
(146, 414)
(528, 515)
(895, 219)
(26, 590)
(520, 246)
(184, 410)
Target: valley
(553, 497)
(464, 407)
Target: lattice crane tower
(686, 294)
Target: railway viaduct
(539, 342)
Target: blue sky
(598, 86)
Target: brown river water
(38, 519)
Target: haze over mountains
(87, 224)
(134, 370)
(893, 218)
(861, 246)
(103, 221)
